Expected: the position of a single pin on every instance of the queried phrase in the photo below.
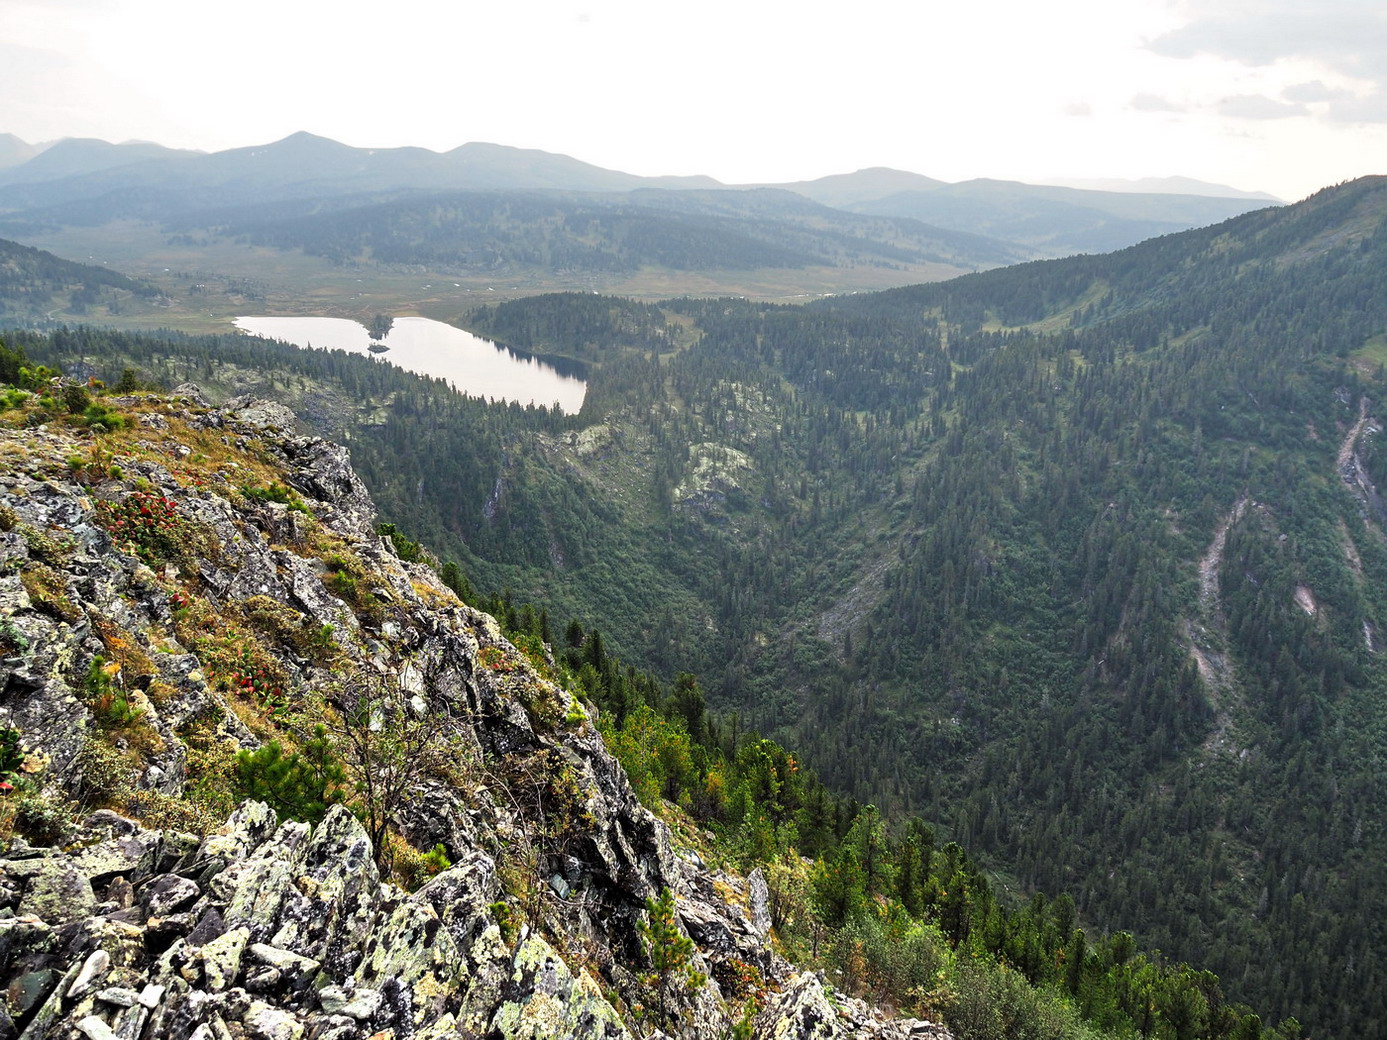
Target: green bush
(993, 1002)
(101, 417)
(11, 753)
(77, 398)
(406, 550)
(109, 703)
(300, 785)
(43, 820)
(900, 958)
(275, 492)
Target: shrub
(44, 820)
(146, 525)
(105, 774)
(101, 417)
(165, 812)
(76, 398)
(504, 918)
(413, 867)
(275, 492)
(901, 958)
(671, 952)
(11, 753)
(48, 592)
(406, 550)
(387, 747)
(300, 785)
(495, 659)
(33, 377)
(109, 703)
(12, 640)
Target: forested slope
(34, 283)
(504, 232)
(1014, 519)
(198, 608)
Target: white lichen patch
(714, 469)
(590, 441)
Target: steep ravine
(1208, 635)
(207, 582)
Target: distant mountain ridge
(1163, 186)
(80, 156)
(89, 182)
(302, 164)
(1050, 220)
(13, 151)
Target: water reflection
(474, 366)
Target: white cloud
(1154, 103)
(1259, 106)
(1345, 39)
(1371, 108)
(1313, 92)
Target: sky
(1283, 96)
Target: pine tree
(671, 952)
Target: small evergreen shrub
(299, 785)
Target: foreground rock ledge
(281, 931)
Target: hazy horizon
(1174, 184)
(1265, 96)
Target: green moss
(47, 591)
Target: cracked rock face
(130, 925)
(296, 936)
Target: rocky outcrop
(267, 930)
(203, 584)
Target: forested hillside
(507, 232)
(34, 283)
(1080, 560)
(192, 632)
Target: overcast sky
(1283, 96)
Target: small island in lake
(379, 327)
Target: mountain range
(85, 183)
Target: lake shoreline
(471, 365)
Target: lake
(474, 366)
